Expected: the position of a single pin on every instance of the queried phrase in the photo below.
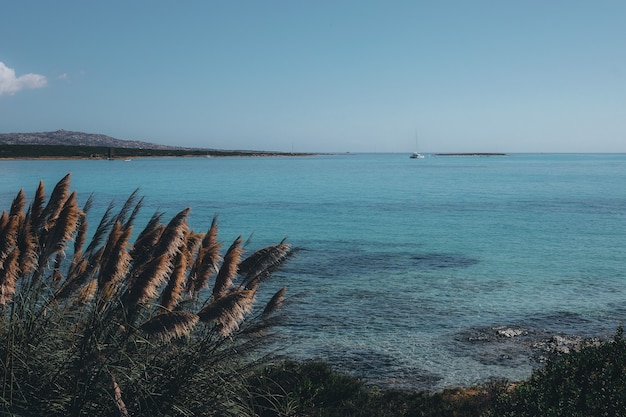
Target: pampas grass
(228, 270)
(117, 327)
(275, 302)
(206, 261)
(8, 277)
(170, 325)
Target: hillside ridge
(71, 138)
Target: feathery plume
(87, 292)
(18, 203)
(147, 239)
(27, 244)
(55, 204)
(228, 270)
(173, 324)
(63, 228)
(210, 238)
(275, 302)
(133, 215)
(147, 277)
(192, 243)
(229, 310)
(4, 220)
(88, 204)
(115, 258)
(147, 234)
(106, 222)
(146, 285)
(76, 276)
(36, 207)
(130, 201)
(94, 261)
(173, 236)
(142, 252)
(206, 261)
(172, 292)
(262, 262)
(8, 238)
(81, 234)
(8, 277)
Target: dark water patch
(350, 261)
(379, 369)
(600, 325)
(565, 322)
(443, 260)
(595, 206)
(605, 206)
(617, 314)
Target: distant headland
(63, 144)
(471, 154)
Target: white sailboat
(416, 155)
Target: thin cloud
(10, 84)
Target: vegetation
(313, 389)
(588, 382)
(104, 152)
(119, 328)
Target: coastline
(79, 152)
(472, 154)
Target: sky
(321, 76)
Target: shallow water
(412, 273)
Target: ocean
(411, 273)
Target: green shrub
(313, 389)
(588, 382)
(302, 388)
(119, 328)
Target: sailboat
(416, 155)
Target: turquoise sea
(411, 273)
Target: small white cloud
(64, 77)
(10, 84)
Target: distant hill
(69, 138)
(67, 144)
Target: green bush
(313, 389)
(125, 329)
(588, 382)
(304, 389)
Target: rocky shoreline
(515, 344)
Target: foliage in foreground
(313, 389)
(122, 328)
(589, 382)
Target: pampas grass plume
(173, 324)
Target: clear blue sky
(325, 76)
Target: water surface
(412, 273)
